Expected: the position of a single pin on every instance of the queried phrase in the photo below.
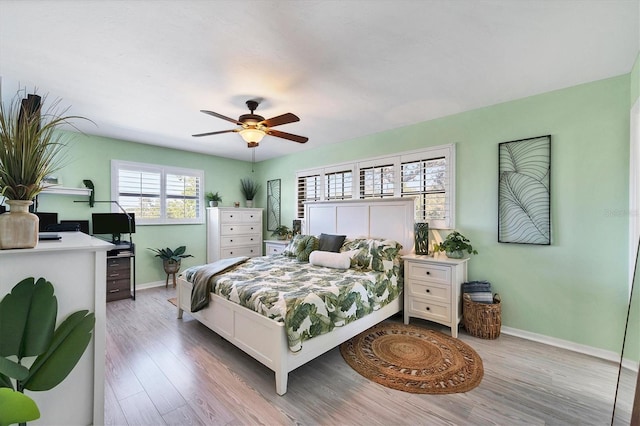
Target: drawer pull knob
(230, 252)
(428, 308)
(230, 241)
(428, 291)
(231, 229)
(114, 291)
(252, 239)
(428, 273)
(252, 228)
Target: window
(308, 190)
(427, 174)
(377, 181)
(158, 194)
(338, 185)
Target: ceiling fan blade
(284, 135)
(214, 133)
(280, 120)
(215, 114)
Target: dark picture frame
(273, 204)
(524, 191)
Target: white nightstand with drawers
(232, 232)
(432, 289)
(275, 246)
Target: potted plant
(249, 189)
(282, 232)
(455, 245)
(213, 198)
(171, 260)
(30, 149)
(29, 331)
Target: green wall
(89, 157)
(576, 288)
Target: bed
(265, 339)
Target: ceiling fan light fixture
(252, 135)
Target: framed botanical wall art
(524, 191)
(273, 204)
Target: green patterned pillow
(307, 244)
(291, 249)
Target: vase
(248, 203)
(457, 254)
(18, 227)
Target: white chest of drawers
(432, 289)
(232, 232)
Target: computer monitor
(114, 224)
(83, 225)
(46, 219)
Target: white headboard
(390, 218)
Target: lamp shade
(252, 135)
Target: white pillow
(330, 259)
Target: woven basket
(481, 319)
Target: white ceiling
(142, 70)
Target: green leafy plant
(168, 254)
(28, 329)
(249, 188)
(211, 196)
(30, 145)
(281, 231)
(454, 242)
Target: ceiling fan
(254, 127)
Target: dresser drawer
(275, 248)
(427, 272)
(118, 274)
(118, 289)
(240, 217)
(251, 251)
(429, 310)
(428, 291)
(118, 263)
(239, 240)
(241, 229)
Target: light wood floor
(161, 370)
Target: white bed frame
(266, 340)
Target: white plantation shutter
(158, 194)
(309, 189)
(338, 185)
(377, 181)
(427, 176)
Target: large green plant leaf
(69, 343)
(12, 369)
(27, 318)
(16, 407)
(5, 381)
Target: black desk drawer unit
(119, 274)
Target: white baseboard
(151, 285)
(572, 346)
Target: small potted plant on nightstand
(282, 232)
(455, 245)
(171, 260)
(213, 198)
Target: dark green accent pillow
(308, 244)
(328, 242)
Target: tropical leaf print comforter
(310, 300)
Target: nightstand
(432, 289)
(275, 246)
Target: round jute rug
(413, 359)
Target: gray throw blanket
(203, 279)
